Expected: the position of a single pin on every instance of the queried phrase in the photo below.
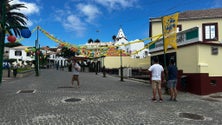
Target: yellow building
(199, 53)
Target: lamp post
(121, 67)
(36, 53)
(104, 68)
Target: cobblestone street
(50, 100)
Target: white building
(20, 54)
(136, 47)
(130, 48)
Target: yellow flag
(170, 30)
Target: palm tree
(11, 21)
(11, 18)
(8, 44)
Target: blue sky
(76, 21)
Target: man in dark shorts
(172, 80)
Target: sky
(76, 21)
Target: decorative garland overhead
(97, 51)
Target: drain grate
(72, 100)
(191, 116)
(26, 91)
(216, 96)
(210, 99)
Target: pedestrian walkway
(50, 100)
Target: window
(146, 53)
(210, 32)
(18, 53)
(28, 54)
(213, 82)
(179, 28)
(214, 50)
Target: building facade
(199, 49)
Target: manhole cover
(191, 116)
(72, 100)
(216, 96)
(65, 87)
(26, 91)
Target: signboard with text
(183, 38)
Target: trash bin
(184, 82)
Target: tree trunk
(2, 43)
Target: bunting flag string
(86, 51)
(61, 43)
(156, 38)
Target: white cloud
(29, 23)
(76, 20)
(90, 11)
(76, 15)
(217, 3)
(31, 7)
(73, 23)
(116, 4)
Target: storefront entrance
(168, 57)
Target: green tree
(11, 21)
(114, 38)
(67, 53)
(90, 40)
(97, 41)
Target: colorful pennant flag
(169, 30)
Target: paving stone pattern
(104, 101)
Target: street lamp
(36, 53)
(121, 63)
(121, 66)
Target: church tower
(120, 35)
(121, 39)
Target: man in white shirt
(157, 75)
(76, 70)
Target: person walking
(15, 70)
(69, 64)
(157, 77)
(172, 80)
(75, 76)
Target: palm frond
(17, 6)
(15, 21)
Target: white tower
(121, 39)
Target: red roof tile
(201, 14)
